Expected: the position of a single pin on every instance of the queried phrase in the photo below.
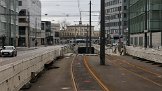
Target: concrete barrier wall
(149, 54)
(13, 76)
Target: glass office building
(145, 17)
(115, 20)
(8, 21)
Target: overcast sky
(58, 9)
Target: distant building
(138, 22)
(55, 28)
(43, 33)
(78, 32)
(29, 23)
(8, 21)
(46, 27)
(116, 20)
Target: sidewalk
(25, 48)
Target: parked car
(8, 51)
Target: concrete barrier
(13, 76)
(148, 54)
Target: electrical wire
(68, 15)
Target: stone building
(79, 31)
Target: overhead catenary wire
(66, 15)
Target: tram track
(94, 81)
(95, 75)
(72, 75)
(137, 70)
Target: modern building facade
(8, 21)
(29, 23)
(145, 22)
(116, 20)
(46, 27)
(55, 28)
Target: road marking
(72, 75)
(95, 75)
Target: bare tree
(64, 24)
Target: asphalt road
(24, 54)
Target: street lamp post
(3, 40)
(90, 33)
(145, 31)
(87, 40)
(128, 11)
(28, 29)
(120, 32)
(35, 41)
(45, 32)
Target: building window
(131, 41)
(140, 41)
(20, 3)
(125, 23)
(22, 30)
(125, 15)
(22, 20)
(135, 41)
(125, 7)
(119, 8)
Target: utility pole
(145, 31)
(35, 32)
(150, 31)
(28, 29)
(90, 28)
(119, 25)
(87, 40)
(75, 34)
(128, 38)
(3, 40)
(8, 24)
(102, 34)
(14, 33)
